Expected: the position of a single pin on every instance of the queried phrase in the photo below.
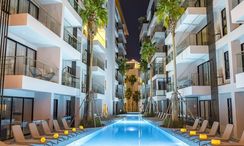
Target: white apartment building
(153, 30)
(45, 67)
(209, 44)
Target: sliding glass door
(15, 111)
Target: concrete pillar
(43, 107)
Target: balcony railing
(42, 15)
(84, 56)
(77, 7)
(98, 88)
(70, 80)
(158, 68)
(240, 62)
(170, 87)
(192, 80)
(194, 3)
(21, 65)
(99, 63)
(159, 92)
(72, 40)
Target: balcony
(158, 37)
(70, 80)
(98, 47)
(98, 88)
(192, 85)
(158, 71)
(20, 65)
(194, 17)
(119, 92)
(240, 70)
(72, 40)
(84, 56)
(159, 95)
(237, 14)
(121, 47)
(188, 51)
(98, 67)
(143, 32)
(36, 12)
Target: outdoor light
(81, 127)
(183, 130)
(73, 129)
(203, 136)
(66, 132)
(55, 135)
(43, 140)
(215, 142)
(193, 133)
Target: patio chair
(240, 143)
(35, 133)
(58, 129)
(193, 127)
(201, 130)
(226, 135)
(211, 133)
(48, 131)
(20, 139)
(35, 72)
(66, 126)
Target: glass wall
(15, 111)
(204, 78)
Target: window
(24, 6)
(202, 36)
(68, 107)
(18, 58)
(229, 106)
(15, 110)
(224, 22)
(200, 3)
(242, 56)
(227, 65)
(55, 108)
(204, 77)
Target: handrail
(72, 40)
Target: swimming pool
(133, 130)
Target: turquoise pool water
(131, 131)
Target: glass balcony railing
(40, 14)
(159, 92)
(84, 56)
(119, 92)
(158, 68)
(21, 65)
(99, 63)
(69, 79)
(194, 3)
(240, 62)
(193, 80)
(170, 87)
(72, 40)
(98, 88)
(77, 7)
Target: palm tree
(128, 94)
(147, 51)
(144, 69)
(132, 80)
(94, 16)
(169, 12)
(136, 96)
(122, 69)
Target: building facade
(209, 44)
(45, 65)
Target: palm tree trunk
(174, 100)
(151, 90)
(89, 94)
(145, 92)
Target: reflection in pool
(133, 130)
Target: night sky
(133, 9)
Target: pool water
(133, 130)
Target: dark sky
(133, 9)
